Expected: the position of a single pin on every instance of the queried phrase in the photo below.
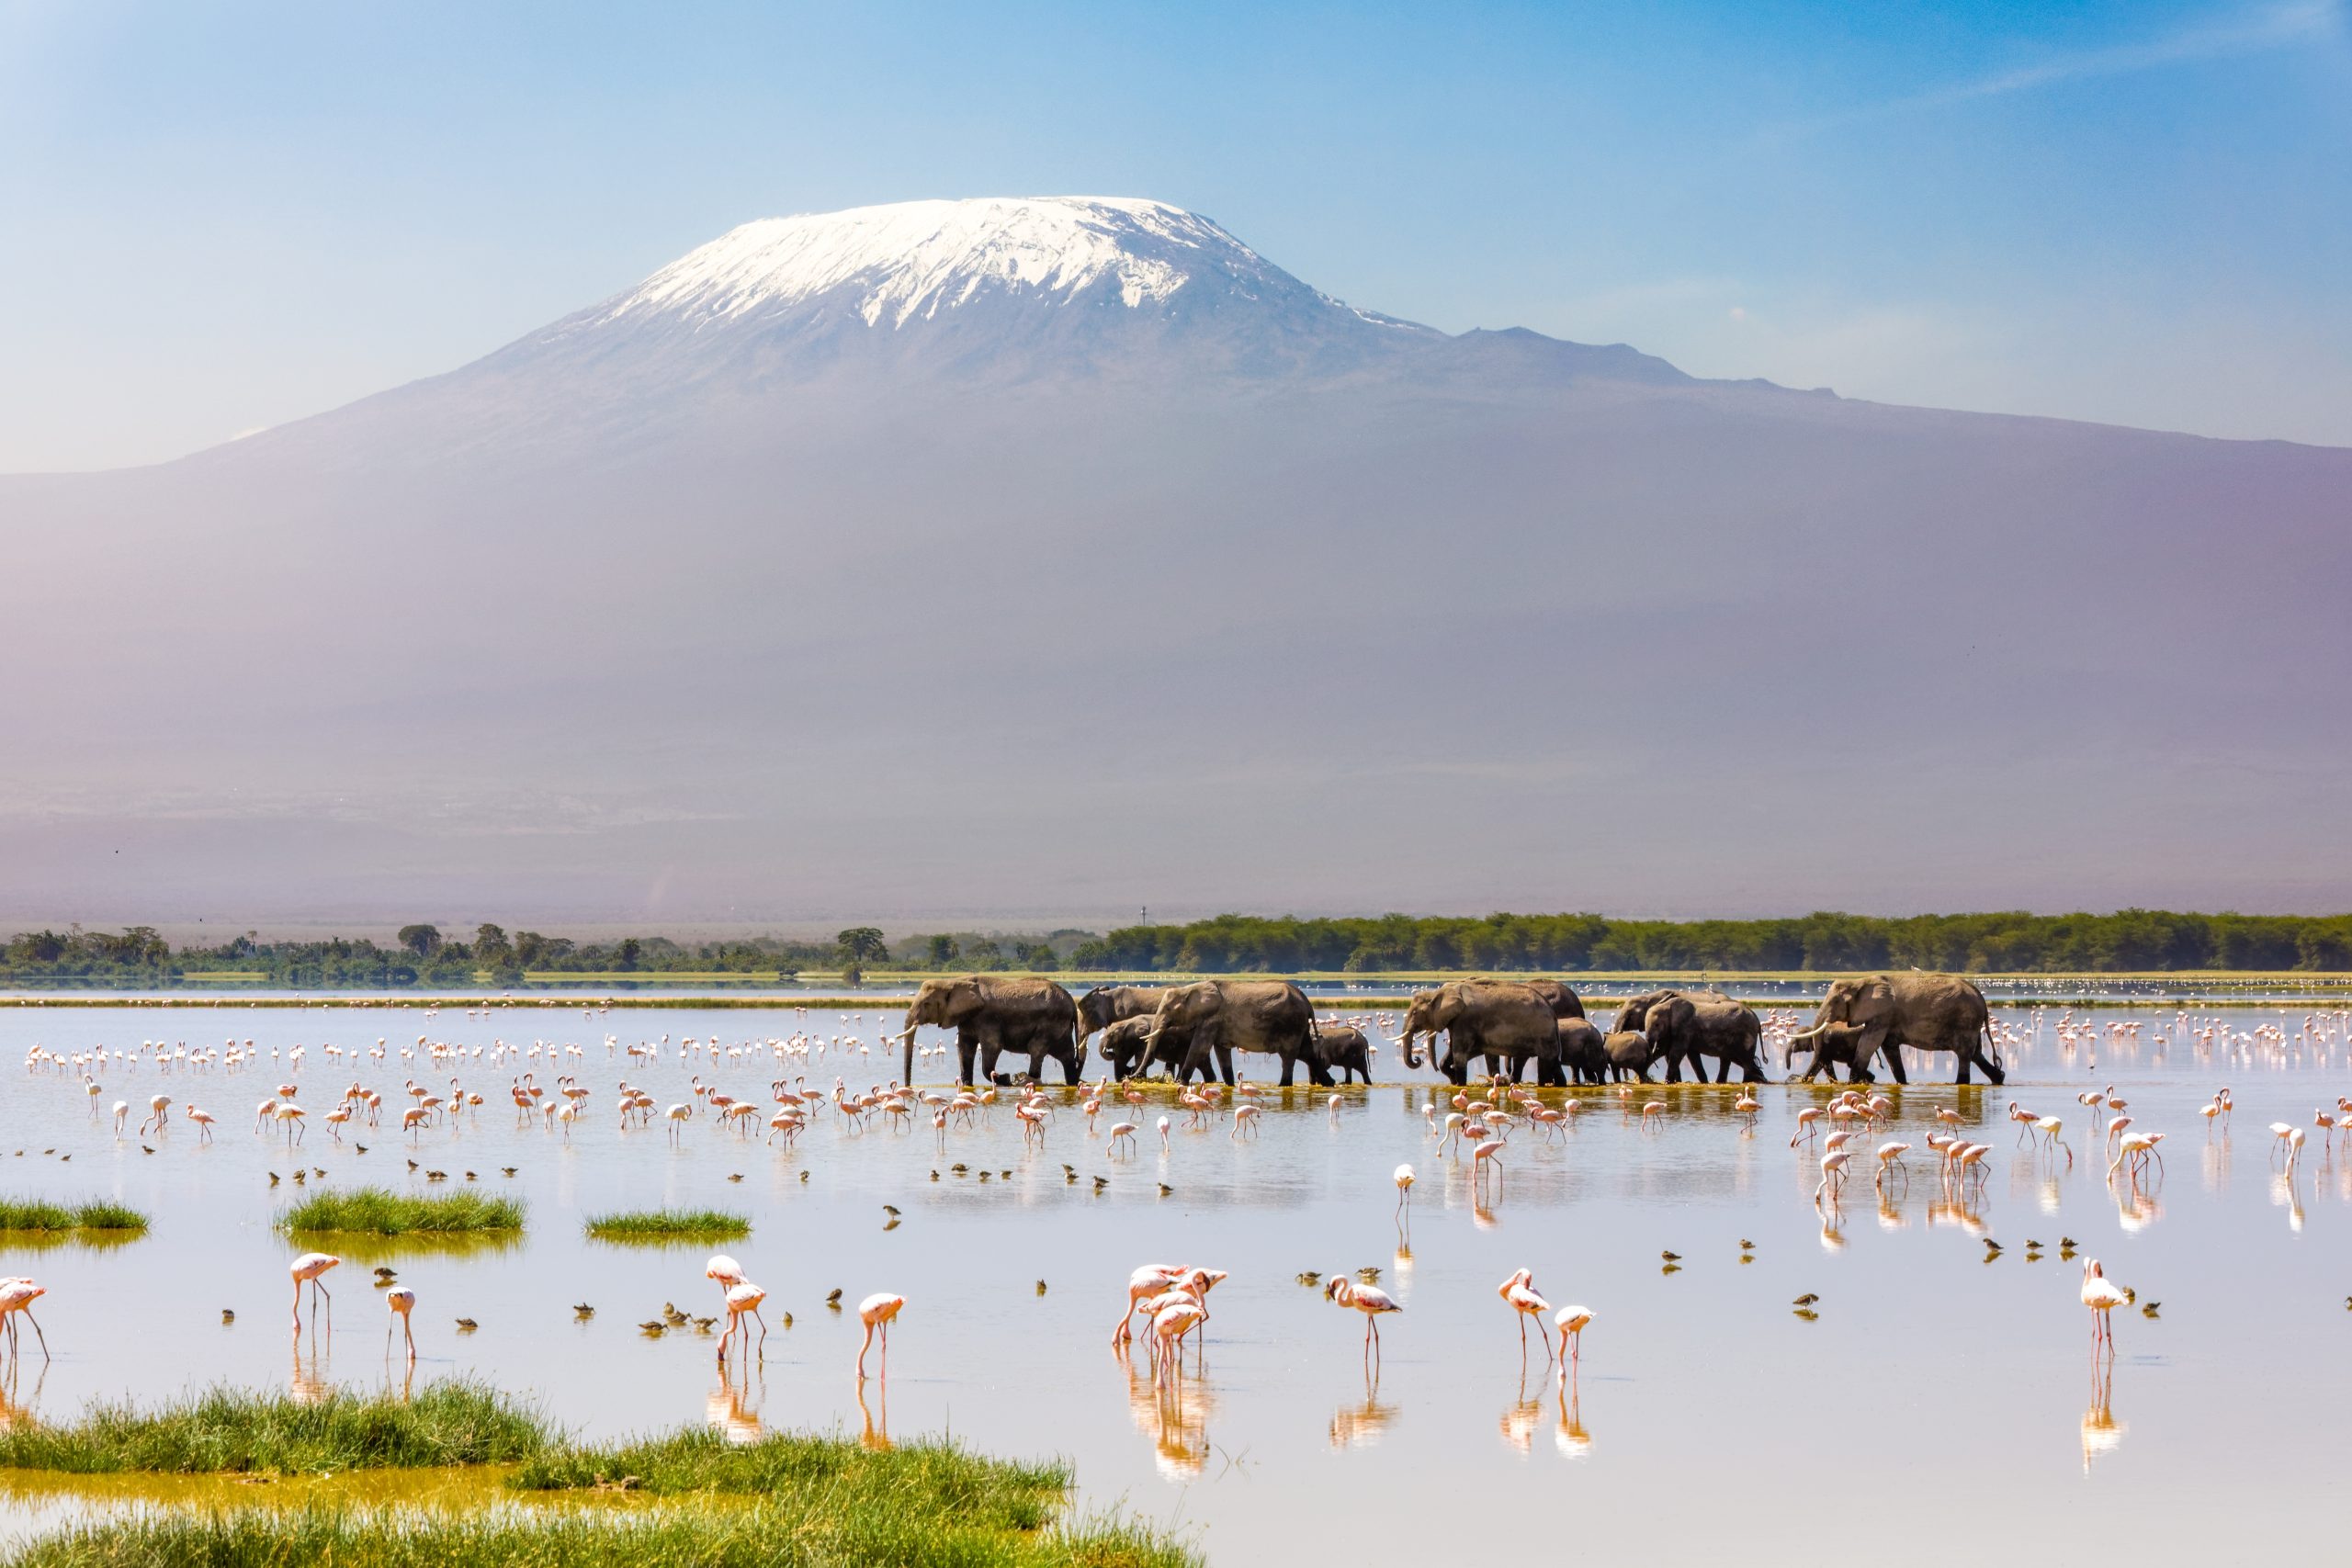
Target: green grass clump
(670, 1224)
(32, 1214)
(753, 1535)
(373, 1211)
(228, 1431)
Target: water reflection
(1173, 1411)
(2101, 1432)
(874, 1431)
(1570, 1436)
(732, 1411)
(311, 1383)
(1361, 1426)
(15, 1404)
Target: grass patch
(227, 1431)
(669, 1224)
(374, 1211)
(31, 1215)
(892, 1530)
(786, 1499)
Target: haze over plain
(1129, 568)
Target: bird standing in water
(306, 1270)
(875, 1312)
(401, 1301)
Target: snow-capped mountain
(914, 260)
(1054, 553)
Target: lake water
(1943, 1403)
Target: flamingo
(1123, 1130)
(1404, 1179)
(157, 1107)
(1570, 1321)
(1805, 1118)
(1890, 1155)
(1520, 1294)
(1163, 1134)
(1369, 1300)
(1489, 1152)
(306, 1270)
(203, 1119)
(725, 1271)
(742, 1297)
(1833, 1174)
(1169, 1327)
(17, 1295)
(1146, 1282)
(875, 1312)
(402, 1300)
(2102, 1295)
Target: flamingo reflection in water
(2101, 1432)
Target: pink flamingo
(306, 1270)
(401, 1301)
(1520, 1294)
(875, 1312)
(1369, 1300)
(743, 1297)
(2102, 1295)
(1570, 1321)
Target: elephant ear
(1874, 999)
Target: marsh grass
(230, 1431)
(373, 1211)
(755, 1534)
(786, 1499)
(33, 1215)
(655, 1225)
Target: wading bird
(306, 1270)
(875, 1312)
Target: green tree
(944, 950)
(861, 944)
(422, 941)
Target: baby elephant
(1832, 1046)
(1123, 1045)
(1343, 1049)
(1630, 1054)
(1582, 1054)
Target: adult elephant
(1688, 1026)
(1213, 1018)
(1106, 1005)
(993, 1014)
(1505, 1022)
(1926, 1013)
(1563, 1002)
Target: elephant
(1926, 1013)
(1582, 1056)
(1628, 1053)
(1213, 1018)
(1688, 1025)
(1126, 1046)
(993, 1014)
(1563, 1002)
(1106, 1005)
(1502, 1021)
(1832, 1045)
(1341, 1049)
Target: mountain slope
(992, 561)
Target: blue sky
(218, 217)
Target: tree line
(2129, 941)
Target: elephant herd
(1194, 1030)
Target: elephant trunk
(1412, 1058)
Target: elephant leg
(965, 1048)
(1723, 1069)
(1288, 1062)
(1966, 1059)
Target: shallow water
(1940, 1400)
